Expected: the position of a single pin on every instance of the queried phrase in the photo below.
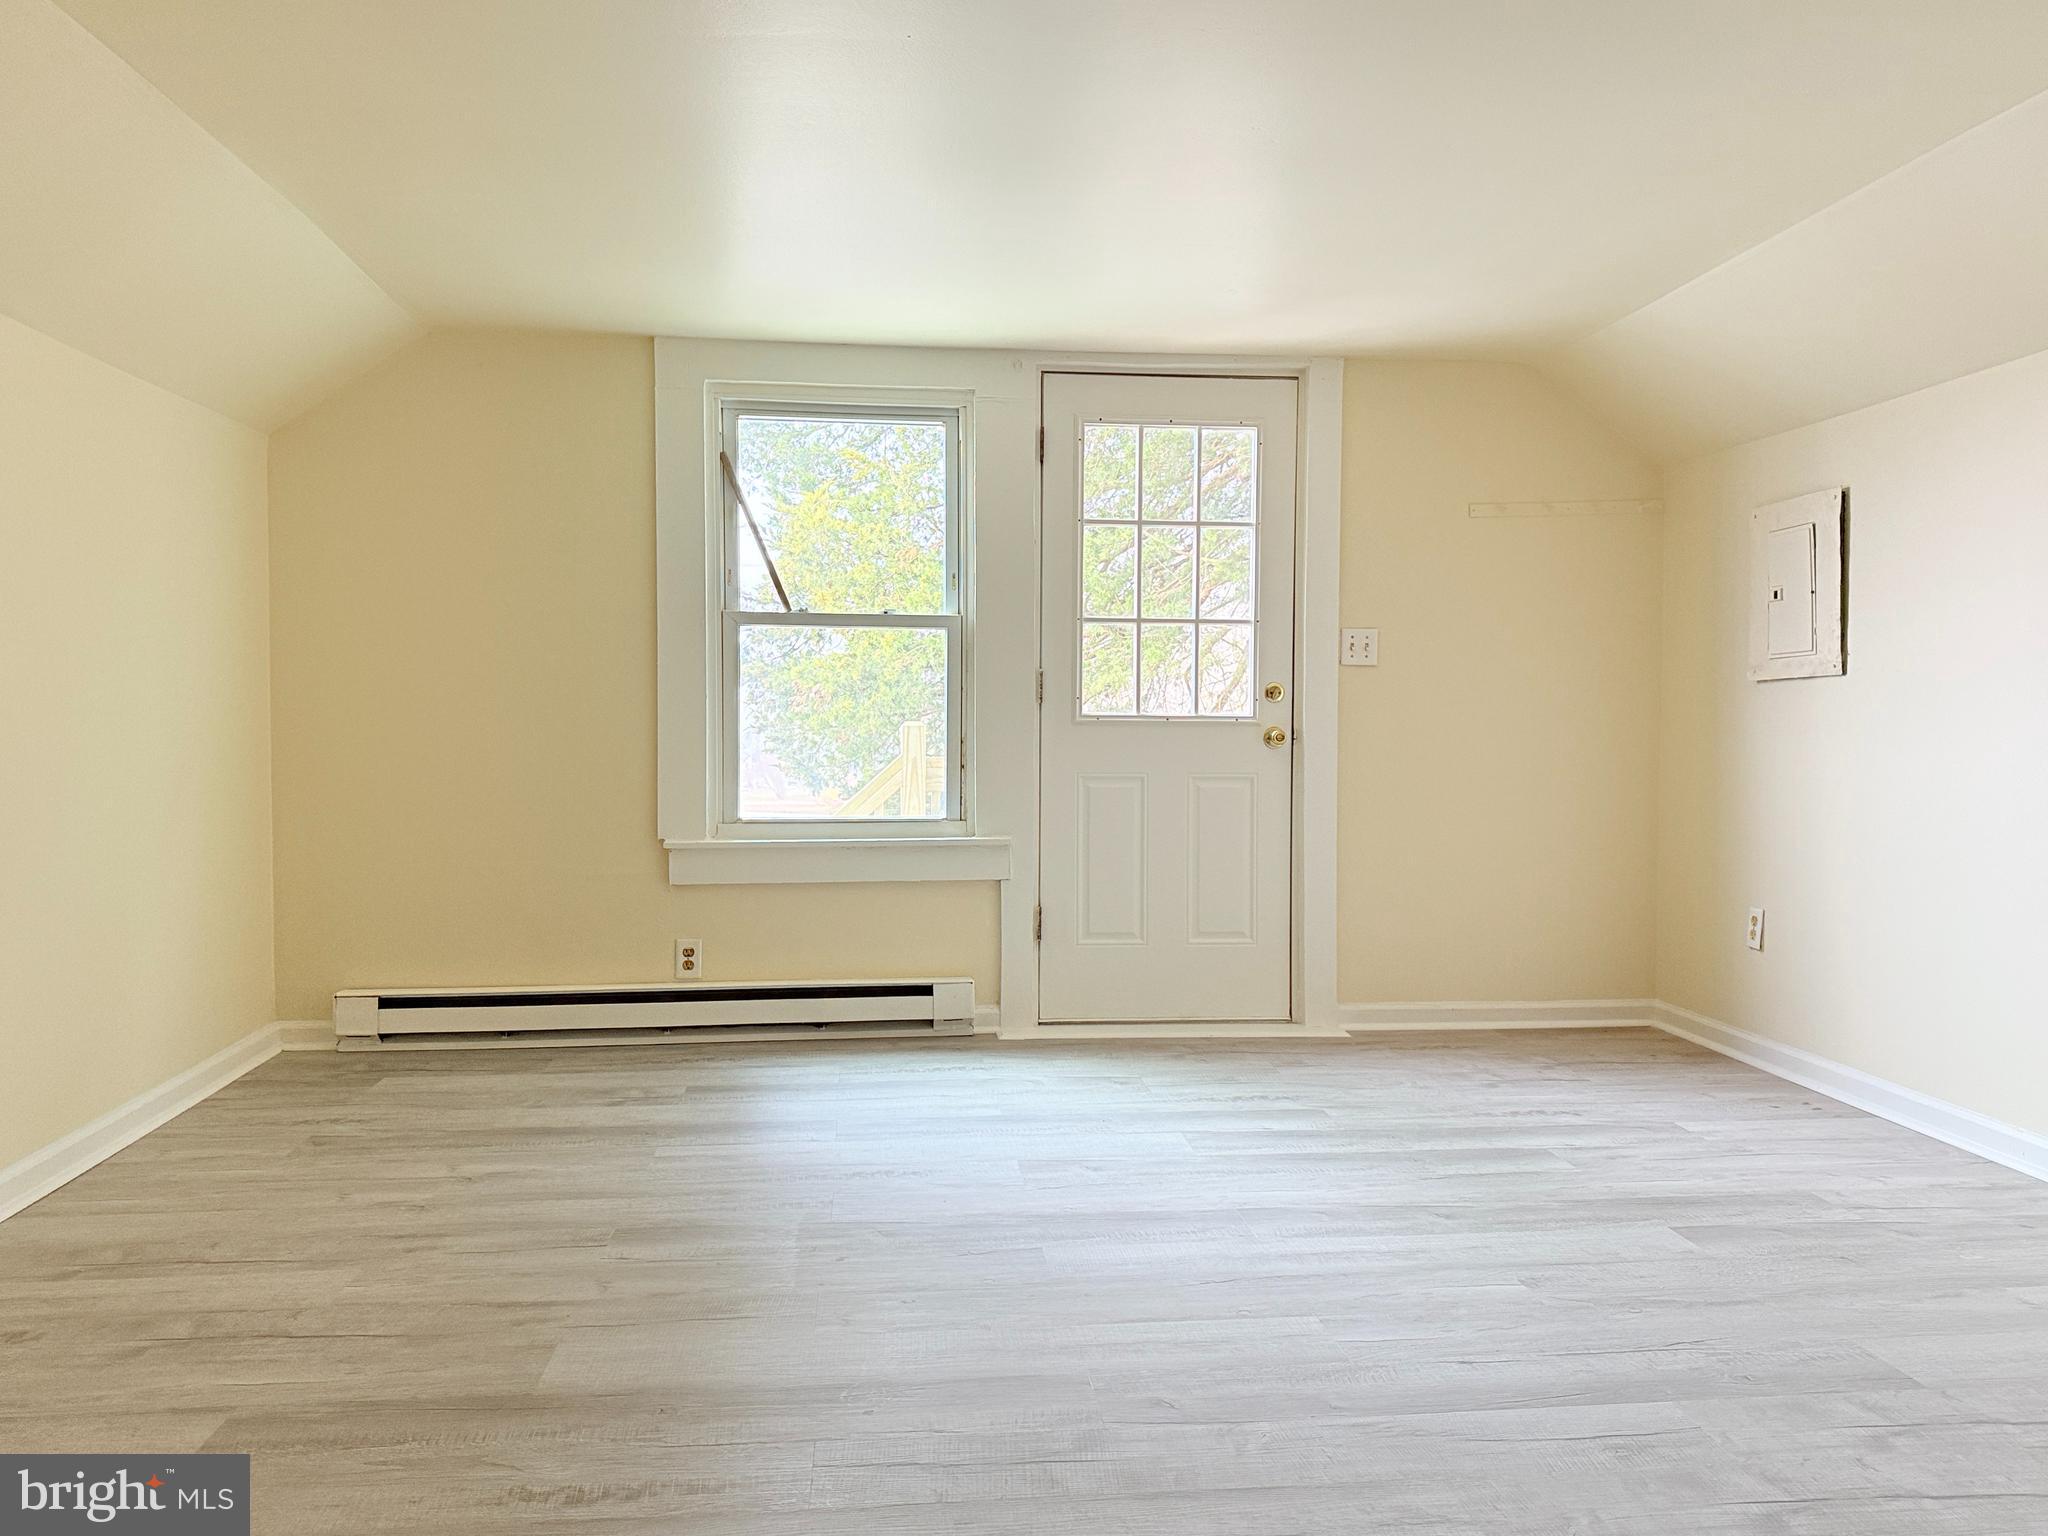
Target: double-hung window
(843, 648)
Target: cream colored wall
(463, 583)
(1892, 821)
(465, 764)
(1496, 816)
(135, 900)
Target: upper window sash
(737, 545)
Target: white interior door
(1167, 746)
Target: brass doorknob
(1275, 736)
(1276, 692)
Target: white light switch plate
(1361, 648)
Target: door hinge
(1041, 685)
(1041, 445)
(1038, 925)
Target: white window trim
(955, 410)
(795, 861)
(704, 841)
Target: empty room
(989, 767)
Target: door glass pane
(1109, 471)
(842, 722)
(852, 510)
(1225, 674)
(1166, 669)
(1109, 574)
(1226, 573)
(1193, 555)
(1109, 669)
(1229, 482)
(1169, 474)
(1169, 573)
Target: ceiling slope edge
(131, 234)
(1927, 274)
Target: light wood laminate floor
(1589, 1282)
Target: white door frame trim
(1318, 552)
(1317, 541)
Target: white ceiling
(1458, 177)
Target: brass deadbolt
(1276, 691)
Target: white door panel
(1223, 847)
(1112, 857)
(1168, 588)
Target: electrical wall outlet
(689, 959)
(1361, 648)
(1756, 927)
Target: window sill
(819, 861)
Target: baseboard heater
(441, 1018)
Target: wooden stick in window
(754, 528)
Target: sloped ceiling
(1711, 217)
(1934, 271)
(130, 233)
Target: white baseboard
(1582, 1013)
(988, 1018)
(2024, 1151)
(1372, 1018)
(23, 1183)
